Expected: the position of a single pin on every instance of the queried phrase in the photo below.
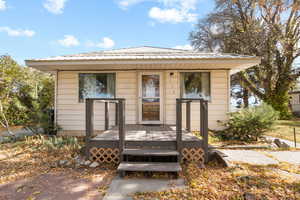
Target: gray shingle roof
(144, 52)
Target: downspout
(55, 96)
(229, 90)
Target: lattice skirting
(109, 155)
(193, 155)
(105, 155)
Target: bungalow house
(141, 90)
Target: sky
(43, 28)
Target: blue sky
(42, 28)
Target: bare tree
(265, 28)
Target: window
(100, 85)
(195, 85)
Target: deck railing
(119, 119)
(203, 122)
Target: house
(295, 102)
(149, 80)
(295, 92)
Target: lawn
(215, 182)
(29, 170)
(285, 129)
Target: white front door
(150, 101)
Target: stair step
(150, 152)
(150, 167)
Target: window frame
(78, 89)
(210, 82)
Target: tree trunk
(5, 124)
(280, 102)
(246, 97)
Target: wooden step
(149, 167)
(150, 152)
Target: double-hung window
(96, 85)
(195, 85)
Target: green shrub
(51, 143)
(248, 124)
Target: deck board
(147, 133)
(150, 167)
(150, 152)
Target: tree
(265, 28)
(10, 75)
(25, 94)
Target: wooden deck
(146, 147)
(147, 133)
(147, 136)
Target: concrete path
(248, 156)
(19, 132)
(292, 157)
(121, 188)
(288, 142)
(260, 158)
(287, 175)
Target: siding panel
(71, 113)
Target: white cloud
(184, 47)
(69, 41)
(2, 5)
(106, 43)
(182, 4)
(124, 4)
(169, 11)
(17, 32)
(55, 6)
(172, 15)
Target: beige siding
(295, 102)
(127, 88)
(71, 113)
(217, 107)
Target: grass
(215, 182)
(36, 155)
(285, 129)
(215, 141)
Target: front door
(150, 98)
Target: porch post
(89, 118)
(204, 126)
(179, 126)
(121, 127)
(106, 115)
(89, 123)
(117, 114)
(188, 116)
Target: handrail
(203, 121)
(120, 118)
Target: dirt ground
(56, 186)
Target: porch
(137, 147)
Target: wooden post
(89, 122)
(179, 126)
(117, 114)
(106, 115)
(188, 116)
(121, 127)
(295, 138)
(204, 126)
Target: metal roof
(143, 53)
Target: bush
(51, 143)
(248, 124)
